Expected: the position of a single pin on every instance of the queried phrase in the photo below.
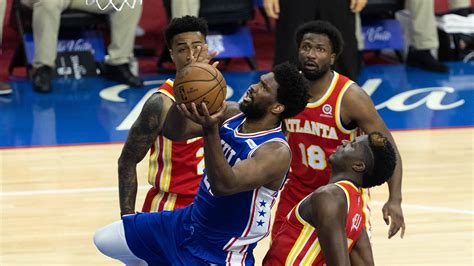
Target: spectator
(424, 36)
(4, 87)
(2, 15)
(46, 20)
(292, 13)
(180, 8)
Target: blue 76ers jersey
(237, 222)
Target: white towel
(452, 23)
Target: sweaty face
(184, 45)
(315, 55)
(259, 97)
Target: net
(118, 7)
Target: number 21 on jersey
(313, 156)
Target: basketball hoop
(110, 3)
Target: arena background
(59, 151)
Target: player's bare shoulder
(328, 199)
(155, 109)
(355, 95)
(154, 104)
(327, 192)
(356, 104)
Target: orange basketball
(200, 83)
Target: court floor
(58, 166)
(54, 198)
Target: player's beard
(252, 110)
(313, 74)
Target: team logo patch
(356, 221)
(327, 109)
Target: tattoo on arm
(140, 138)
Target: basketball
(200, 83)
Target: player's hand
(202, 55)
(272, 8)
(202, 116)
(357, 5)
(396, 221)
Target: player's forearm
(395, 182)
(133, 152)
(218, 171)
(127, 187)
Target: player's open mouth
(247, 97)
(310, 66)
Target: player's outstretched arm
(358, 107)
(141, 136)
(361, 253)
(329, 214)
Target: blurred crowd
(123, 24)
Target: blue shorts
(159, 237)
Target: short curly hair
(185, 24)
(292, 89)
(322, 27)
(384, 160)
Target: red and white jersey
(315, 133)
(297, 241)
(175, 166)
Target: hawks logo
(356, 221)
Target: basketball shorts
(159, 237)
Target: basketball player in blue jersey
(247, 159)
